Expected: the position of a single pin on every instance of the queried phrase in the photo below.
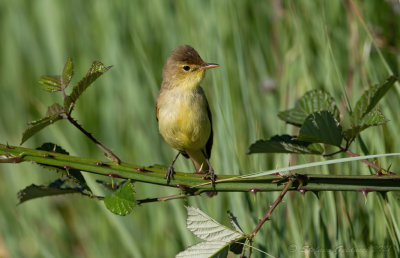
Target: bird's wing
(157, 110)
(210, 139)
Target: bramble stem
(101, 146)
(369, 163)
(192, 183)
(273, 206)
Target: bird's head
(185, 68)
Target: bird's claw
(211, 175)
(170, 173)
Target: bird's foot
(211, 175)
(170, 173)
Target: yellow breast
(183, 119)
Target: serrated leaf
(73, 174)
(122, 201)
(36, 126)
(95, 71)
(321, 127)
(316, 147)
(36, 191)
(208, 229)
(206, 249)
(218, 237)
(370, 99)
(67, 73)
(312, 101)
(54, 110)
(373, 118)
(52, 147)
(283, 144)
(50, 83)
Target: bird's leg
(170, 171)
(210, 172)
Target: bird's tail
(199, 161)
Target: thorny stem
(333, 153)
(273, 206)
(369, 163)
(147, 200)
(101, 146)
(164, 198)
(192, 184)
(352, 154)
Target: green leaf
(36, 191)
(321, 127)
(54, 110)
(312, 101)
(95, 71)
(218, 238)
(373, 118)
(370, 99)
(206, 249)
(122, 201)
(67, 73)
(50, 83)
(283, 144)
(35, 126)
(73, 174)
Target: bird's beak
(208, 66)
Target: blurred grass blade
(312, 101)
(50, 83)
(95, 71)
(122, 201)
(282, 144)
(321, 127)
(319, 163)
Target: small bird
(182, 110)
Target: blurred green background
(270, 52)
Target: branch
(90, 136)
(193, 184)
(272, 207)
(369, 163)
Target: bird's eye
(186, 68)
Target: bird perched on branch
(182, 111)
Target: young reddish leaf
(54, 110)
(67, 73)
(95, 71)
(50, 83)
(53, 115)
